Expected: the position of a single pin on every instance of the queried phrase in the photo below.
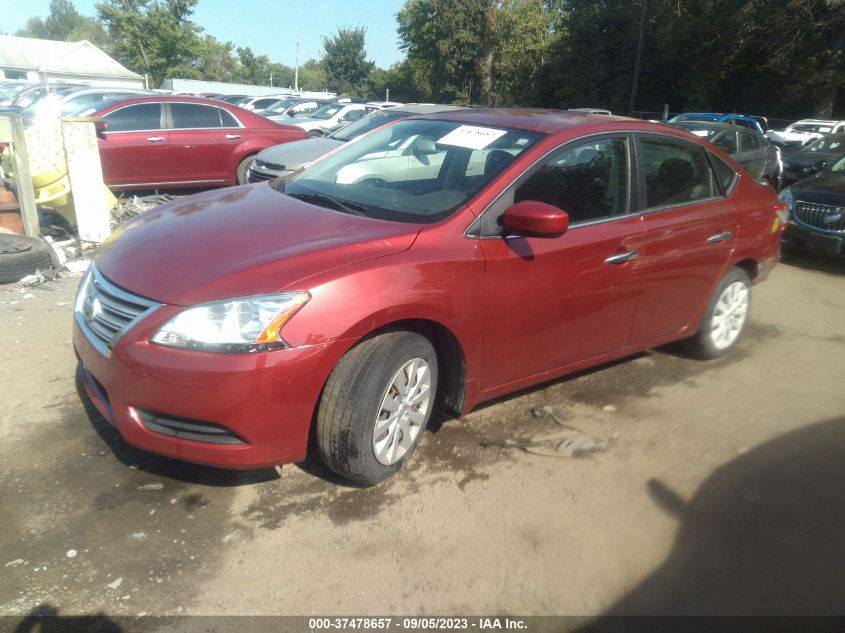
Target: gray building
(48, 61)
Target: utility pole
(296, 70)
(635, 84)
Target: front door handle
(621, 258)
(721, 237)
(232, 136)
(155, 139)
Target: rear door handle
(721, 237)
(621, 258)
(155, 139)
(232, 136)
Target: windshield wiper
(338, 205)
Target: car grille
(261, 171)
(821, 216)
(105, 312)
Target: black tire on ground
(352, 400)
(314, 134)
(21, 256)
(243, 169)
(702, 344)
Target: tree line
(784, 58)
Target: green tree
(443, 40)
(312, 76)
(154, 37)
(345, 60)
(252, 68)
(215, 60)
(65, 23)
(525, 32)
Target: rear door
(204, 140)
(689, 235)
(753, 152)
(135, 146)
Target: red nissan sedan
(440, 261)
(178, 142)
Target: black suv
(817, 211)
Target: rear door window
(675, 173)
(726, 142)
(193, 116)
(748, 142)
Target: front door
(551, 302)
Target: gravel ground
(715, 487)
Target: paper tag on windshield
(471, 137)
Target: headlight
(246, 324)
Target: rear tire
(243, 169)
(375, 406)
(314, 134)
(724, 318)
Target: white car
(804, 131)
(328, 116)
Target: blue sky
(270, 28)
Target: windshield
(280, 105)
(368, 123)
(417, 171)
(826, 144)
(810, 127)
(839, 166)
(327, 111)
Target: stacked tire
(21, 256)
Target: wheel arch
(450, 357)
(750, 266)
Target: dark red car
(443, 260)
(175, 142)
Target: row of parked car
(805, 160)
(154, 140)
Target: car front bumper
(227, 410)
(805, 238)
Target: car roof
(537, 120)
(711, 125)
(168, 99)
(426, 108)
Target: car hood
(825, 187)
(805, 158)
(308, 123)
(293, 155)
(240, 241)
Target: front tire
(724, 318)
(375, 405)
(243, 169)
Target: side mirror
(531, 218)
(100, 128)
(819, 166)
(425, 146)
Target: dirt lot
(720, 491)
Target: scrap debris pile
(127, 208)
